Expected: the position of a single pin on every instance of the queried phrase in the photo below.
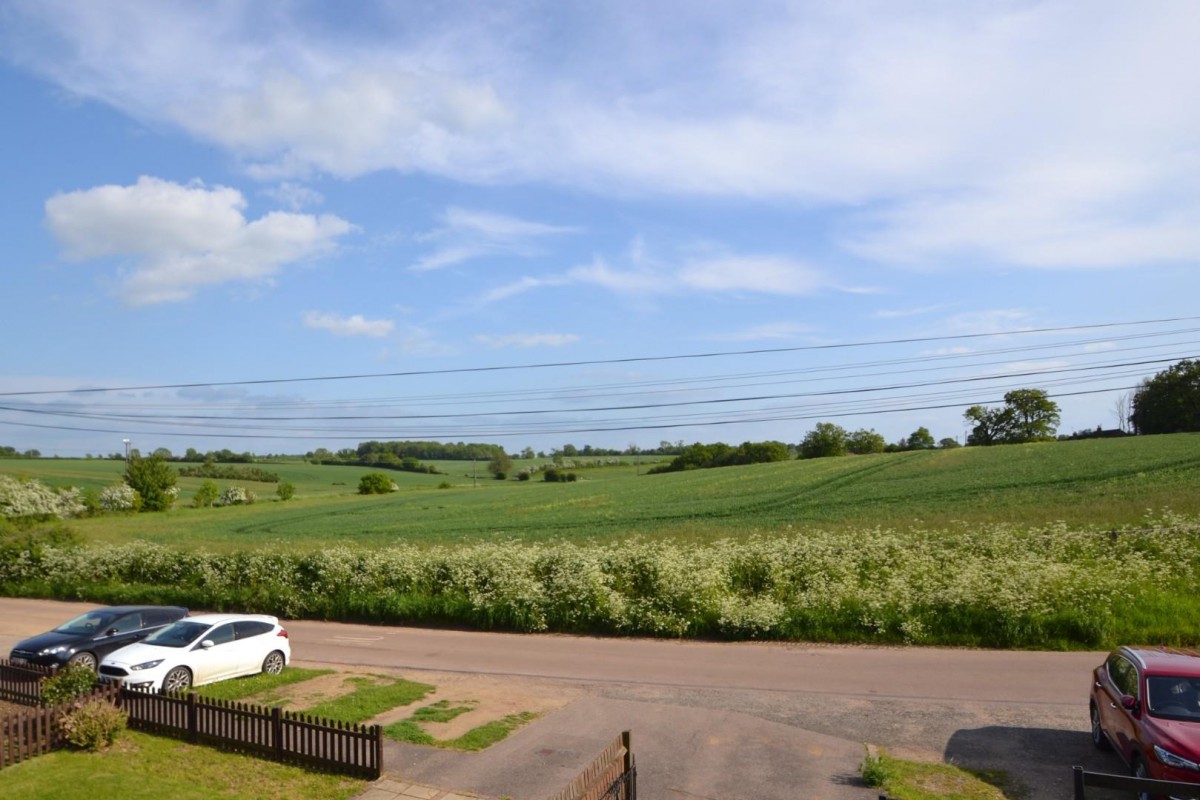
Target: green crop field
(1099, 482)
(1044, 545)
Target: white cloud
(180, 238)
(295, 196)
(763, 274)
(355, 325)
(1025, 132)
(527, 340)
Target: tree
(500, 465)
(206, 495)
(948, 443)
(826, 439)
(1028, 415)
(1034, 415)
(864, 441)
(1170, 401)
(920, 439)
(154, 479)
(990, 425)
(286, 490)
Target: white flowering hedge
(119, 497)
(992, 586)
(30, 499)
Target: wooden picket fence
(282, 736)
(39, 730)
(611, 776)
(22, 683)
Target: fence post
(193, 725)
(277, 732)
(627, 766)
(377, 735)
(1078, 778)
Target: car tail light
(282, 632)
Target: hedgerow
(991, 586)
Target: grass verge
(144, 767)
(241, 688)
(915, 780)
(408, 730)
(373, 695)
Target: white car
(199, 650)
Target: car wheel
(1098, 738)
(1139, 771)
(273, 663)
(178, 680)
(83, 660)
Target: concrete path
(680, 752)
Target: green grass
(373, 695)
(408, 730)
(1107, 482)
(441, 711)
(916, 780)
(144, 767)
(241, 688)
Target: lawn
(145, 767)
(1099, 482)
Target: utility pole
(126, 441)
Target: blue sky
(446, 198)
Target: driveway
(720, 720)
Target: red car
(1145, 704)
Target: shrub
(445, 485)
(94, 725)
(206, 495)
(69, 682)
(30, 499)
(120, 497)
(154, 479)
(286, 491)
(376, 483)
(236, 496)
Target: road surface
(727, 720)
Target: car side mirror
(208, 643)
(1129, 702)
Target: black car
(91, 636)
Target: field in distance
(1098, 482)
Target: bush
(69, 682)
(120, 497)
(376, 483)
(236, 496)
(94, 725)
(33, 500)
(154, 479)
(286, 491)
(206, 495)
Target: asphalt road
(724, 720)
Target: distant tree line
(706, 456)
(11, 452)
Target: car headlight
(146, 665)
(53, 651)
(1172, 760)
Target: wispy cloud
(181, 238)
(355, 325)
(527, 340)
(469, 234)
(780, 331)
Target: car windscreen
(1174, 697)
(87, 624)
(179, 634)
